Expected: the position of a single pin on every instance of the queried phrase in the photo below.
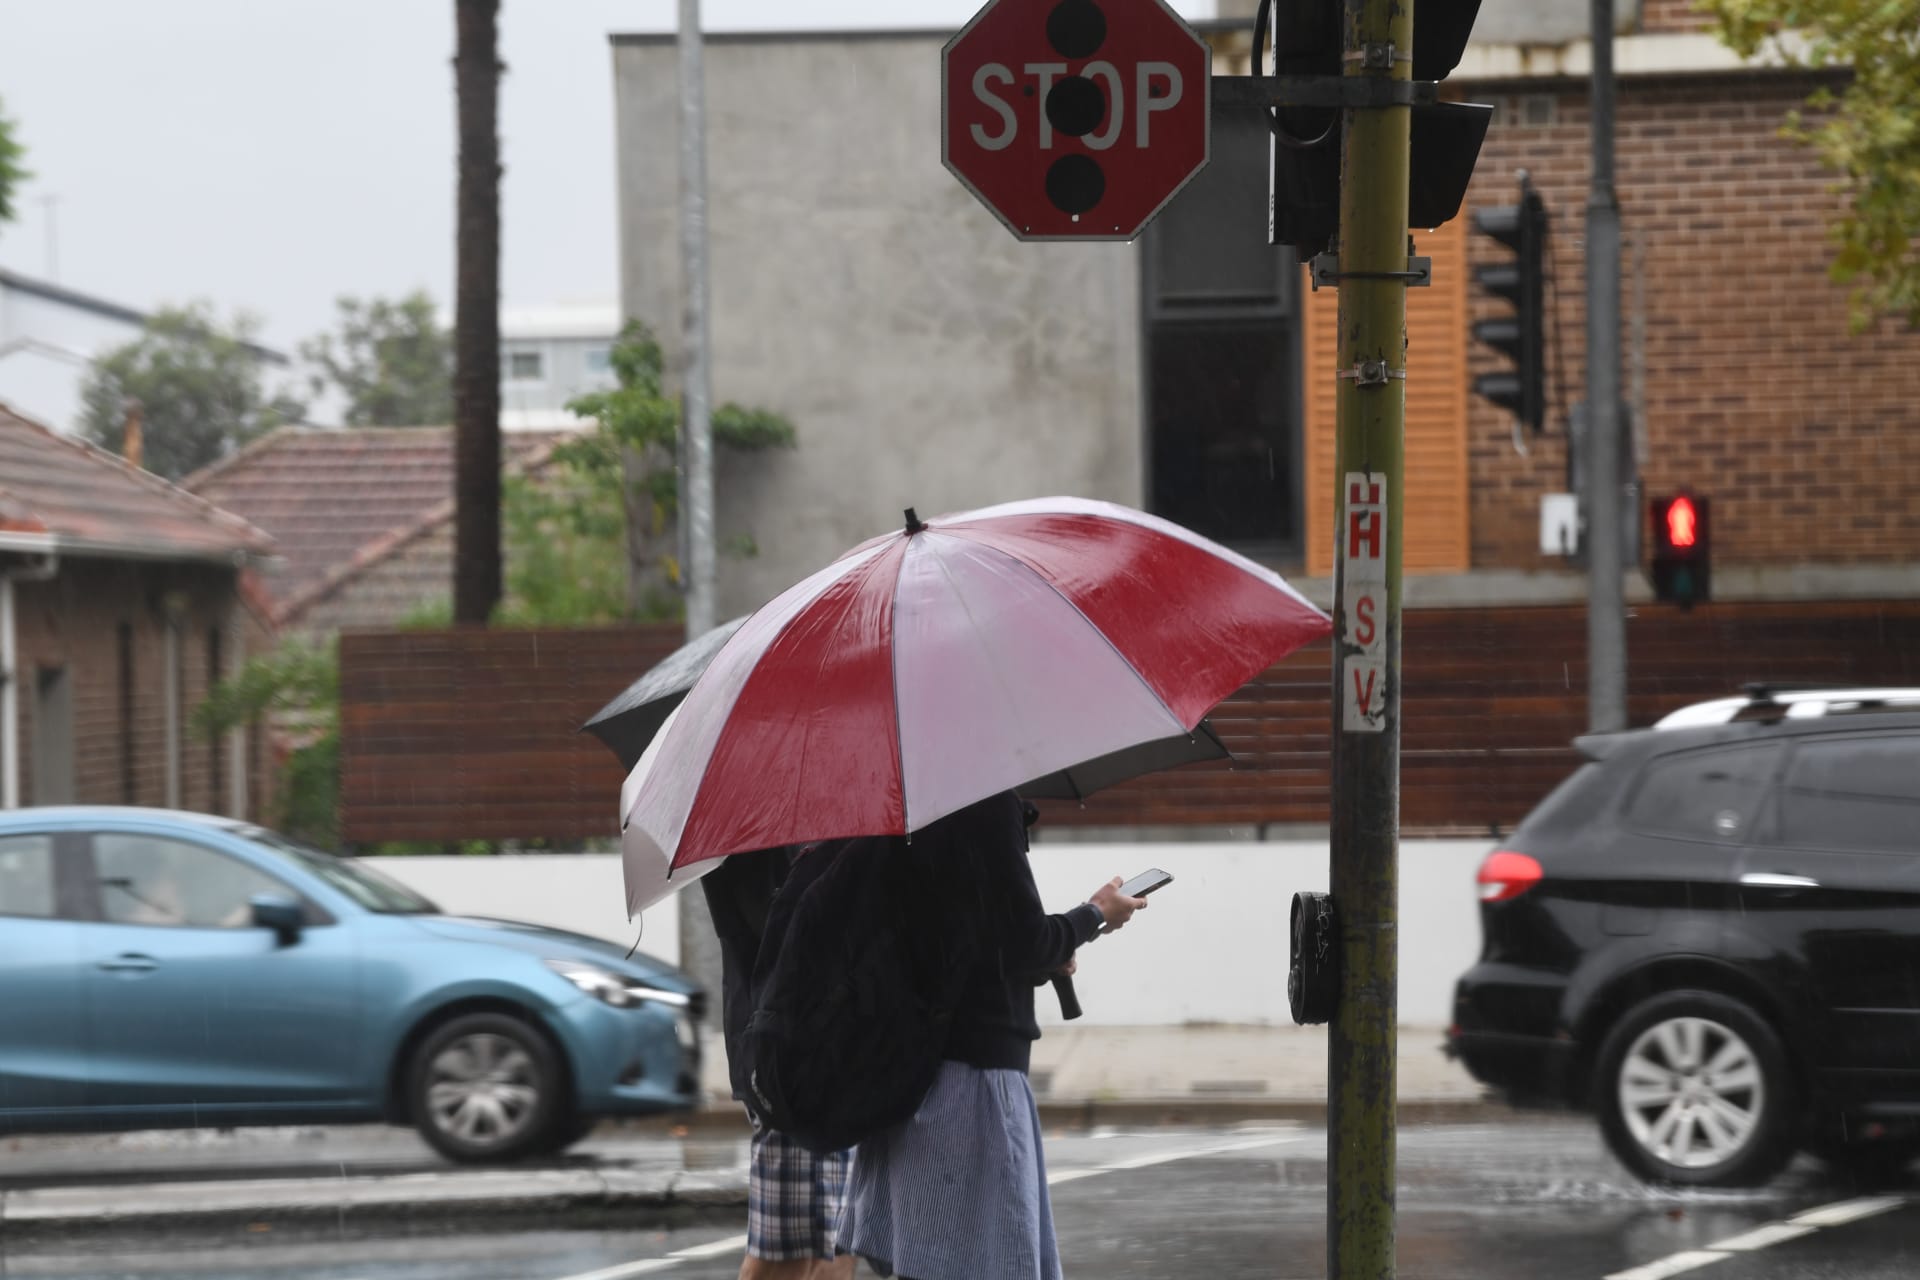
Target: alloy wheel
(1691, 1092)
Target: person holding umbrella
(960, 1191)
(910, 689)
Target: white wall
(1212, 947)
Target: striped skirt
(959, 1192)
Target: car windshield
(372, 889)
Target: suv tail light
(1506, 875)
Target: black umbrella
(628, 723)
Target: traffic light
(1682, 549)
(1304, 182)
(1522, 336)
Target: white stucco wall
(1211, 948)
(925, 357)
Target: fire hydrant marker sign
(1075, 119)
(1363, 574)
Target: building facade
(928, 359)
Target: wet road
(1478, 1202)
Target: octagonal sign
(1075, 119)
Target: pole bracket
(1326, 271)
(1372, 373)
(1376, 55)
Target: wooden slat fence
(470, 734)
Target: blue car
(162, 969)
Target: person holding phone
(919, 1193)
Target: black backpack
(858, 975)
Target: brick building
(120, 605)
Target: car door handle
(1777, 880)
(130, 963)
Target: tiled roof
(85, 500)
(339, 500)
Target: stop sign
(1074, 119)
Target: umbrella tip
(913, 522)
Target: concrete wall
(926, 358)
(1211, 948)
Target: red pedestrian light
(1682, 523)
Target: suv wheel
(485, 1087)
(1693, 1089)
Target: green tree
(391, 360)
(632, 454)
(200, 388)
(1868, 131)
(297, 687)
(12, 173)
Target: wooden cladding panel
(472, 734)
(1437, 534)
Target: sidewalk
(1083, 1077)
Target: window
(129, 789)
(522, 366)
(374, 890)
(1222, 353)
(1853, 793)
(1704, 795)
(216, 742)
(599, 359)
(154, 880)
(26, 877)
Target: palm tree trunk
(476, 321)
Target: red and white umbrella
(961, 657)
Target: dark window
(1853, 793)
(27, 886)
(129, 791)
(153, 880)
(1704, 795)
(1222, 353)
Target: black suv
(1710, 934)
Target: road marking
(1672, 1265)
(1762, 1237)
(628, 1269)
(732, 1244)
(1834, 1215)
(735, 1244)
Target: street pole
(1362, 1041)
(699, 944)
(696, 460)
(1606, 604)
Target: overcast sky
(273, 154)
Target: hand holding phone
(1146, 882)
(1118, 900)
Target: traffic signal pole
(1606, 601)
(1362, 1041)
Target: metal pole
(1362, 1041)
(696, 455)
(1606, 605)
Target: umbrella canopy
(642, 863)
(960, 657)
(630, 721)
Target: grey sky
(272, 154)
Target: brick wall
(1804, 436)
(74, 620)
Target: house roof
(338, 501)
(63, 494)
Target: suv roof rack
(1790, 702)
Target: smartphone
(1145, 883)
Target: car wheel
(485, 1087)
(1693, 1089)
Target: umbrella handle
(1069, 1004)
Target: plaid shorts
(794, 1199)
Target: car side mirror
(282, 915)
